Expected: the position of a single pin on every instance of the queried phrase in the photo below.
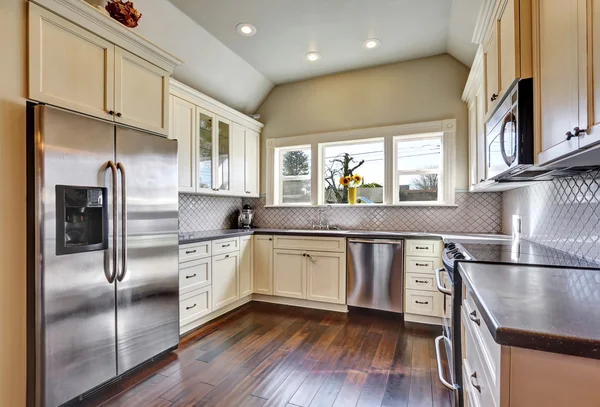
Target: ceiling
(337, 29)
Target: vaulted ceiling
(337, 29)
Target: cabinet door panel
(141, 93)
(238, 136)
(263, 264)
(252, 157)
(225, 280)
(69, 66)
(289, 273)
(223, 155)
(593, 41)
(472, 107)
(326, 277)
(508, 48)
(490, 66)
(246, 265)
(183, 129)
(557, 90)
(205, 122)
(481, 134)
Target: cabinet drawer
(319, 244)
(426, 248)
(427, 303)
(422, 264)
(194, 305)
(194, 251)
(478, 375)
(417, 281)
(489, 349)
(194, 274)
(225, 246)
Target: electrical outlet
(517, 227)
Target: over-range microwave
(509, 137)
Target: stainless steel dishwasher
(375, 274)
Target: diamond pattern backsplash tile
(563, 214)
(476, 213)
(197, 213)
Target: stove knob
(450, 246)
(459, 256)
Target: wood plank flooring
(274, 355)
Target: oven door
(502, 145)
(443, 343)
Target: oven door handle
(438, 282)
(440, 368)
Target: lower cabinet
(263, 265)
(225, 279)
(290, 273)
(194, 305)
(246, 265)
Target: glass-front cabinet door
(223, 159)
(206, 140)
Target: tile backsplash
(197, 213)
(563, 214)
(476, 213)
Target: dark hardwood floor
(272, 355)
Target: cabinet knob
(473, 379)
(111, 112)
(494, 97)
(482, 180)
(119, 115)
(270, 239)
(575, 133)
(248, 192)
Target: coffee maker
(246, 218)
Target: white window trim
(277, 197)
(388, 133)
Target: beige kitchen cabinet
(592, 136)
(72, 68)
(225, 288)
(472, 111)
(246, 265)
(491, 68)
(183, 129)
(557, 77)
(69, 66)
(263, 265)
(289, 273)
(326, 277)
(480, 136)
(224, 150)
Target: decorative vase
(352, 195)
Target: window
(294, 175)
(365, 158)
(418, 167)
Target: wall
(12, 204)
(209, 66)
(197, 213)
(563, 214)
(408, 92)
(476, 213)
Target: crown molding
(93, 20)
(192, 95)
(486, 14)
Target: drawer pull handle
(226, 256)
(422, 247)
(422, 264)
(473, 383)
(421, 281)
(422, 302)
(473, 317)
(190, 251)
(189, 308)
(226, 245)
(192, 276)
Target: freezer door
(74, 301)
(148, 277)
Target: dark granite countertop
(552, 309)
(194, 237)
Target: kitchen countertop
(550, 309)
(200, 236)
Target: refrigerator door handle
(123, 271)
(113, 170)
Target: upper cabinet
(566, 68)
(91, 71)
(223, 153)
(491, 68)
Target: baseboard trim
(423, 319)
(185, 329)
(300, 303)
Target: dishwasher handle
(375, 241)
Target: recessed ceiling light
(313, 56)
(245, 29)
(372, 43)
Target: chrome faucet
(320, 225)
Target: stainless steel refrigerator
(103, 252)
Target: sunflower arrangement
(351, 181)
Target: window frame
(445, 127)
(281, 178)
